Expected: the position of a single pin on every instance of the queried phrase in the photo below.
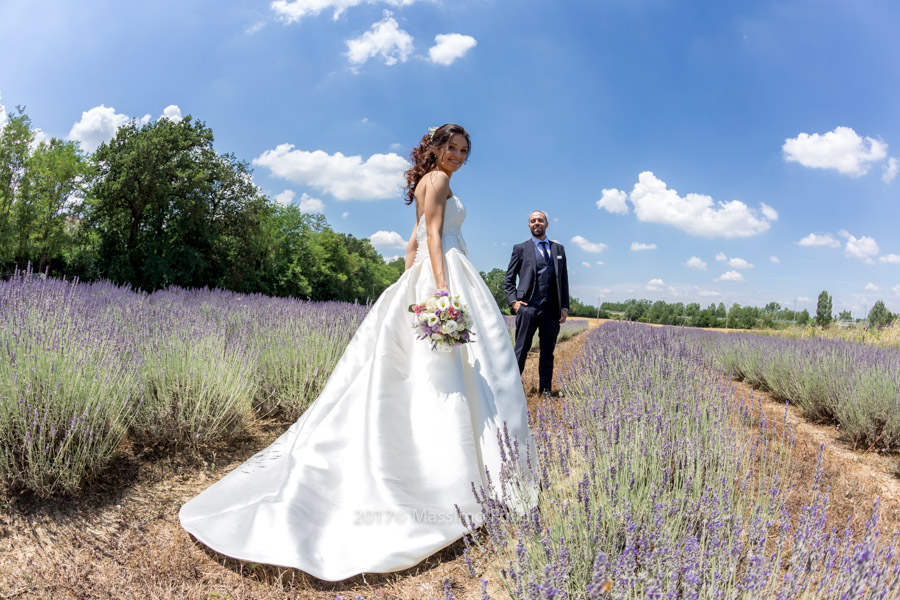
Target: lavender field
(84, 365)
(654, 481)
(656, 484)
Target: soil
(122, 539)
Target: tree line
(158, 206)
(771, 316)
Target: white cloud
(730, 276)
(613, 200)
(802, 299)
(739, 263)
(99, 125)
(309, 204)
(385, 39)
(593, 247)
(387, 239)
(255, 28)
(172, 113)
(637, 246)
(708, 293)
(841, 149)
(871, 287)
(864, 248)
(600, 262)
(721, 257)
(890, 170)
(768, 212)
(285, 197)
(696, 214)
(291, 11)
(345, 214)
(695, 262)
(775, 260)
(896, 289)
(815, 239)
(890, 258)
(39, 136)
(656, 285)
(450, 46)
(344, 177)
(585, 263)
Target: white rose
(437, 337)
(422, 316)
(449, 327)
(431, 305)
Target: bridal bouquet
(442, 320)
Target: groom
(541, 298)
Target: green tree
(803, 317)
(692, 310)
(720, 311)
(879, 315)
(823, 310)
(494, 280)
(57, 172)
(15, 139)
(707, 317)
(163, 203)
(577, 308)
(845, 315)
(636, 310)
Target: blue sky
(714, 151)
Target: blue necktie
(545, 251)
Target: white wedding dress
(367, 479)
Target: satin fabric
(367, 479)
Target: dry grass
(123, 539)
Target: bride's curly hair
(423, 156)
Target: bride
(367, 480)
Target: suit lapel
(530, 257)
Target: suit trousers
(545, 320)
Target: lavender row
(852, 384)
(652, 486)
(568, 329)
(83, 365)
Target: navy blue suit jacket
(523, 265)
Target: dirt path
(124, 541)
(855, 478)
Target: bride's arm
(435, 202)
(411, 246)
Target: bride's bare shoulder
(436, 183)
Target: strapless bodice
(454, 215)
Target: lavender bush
(299, 343)
(651, 487)
(69, 380)
(568, 329)
(199, 369)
